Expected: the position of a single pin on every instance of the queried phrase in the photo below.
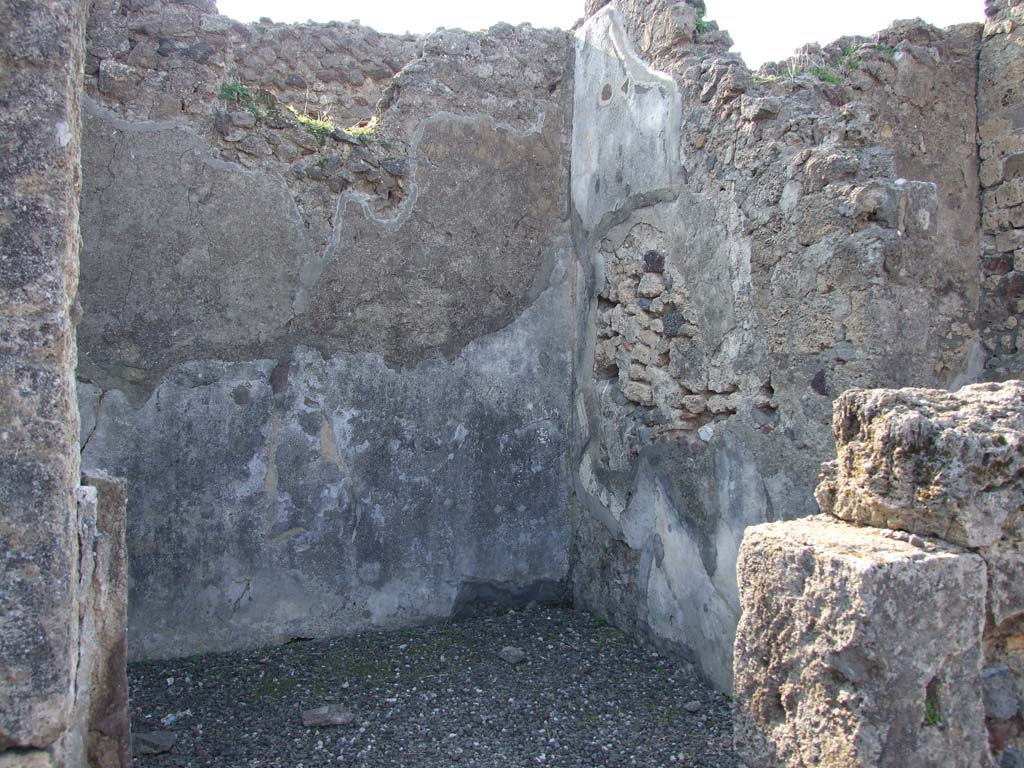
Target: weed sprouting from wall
(826, 75)
(850, 61)
(703, 26)
(243, 98)
(263, 105)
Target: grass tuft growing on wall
(826, 75)
(242, 97)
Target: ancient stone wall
(1001, 145)
(750, 245)
(61, 600)
(165, 59)
(894, 635)
(333, 364)
(368, 352)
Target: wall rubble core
(1001, 149)
(898, 642)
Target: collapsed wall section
(333, 364)
(750, 245)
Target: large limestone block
(932, 462)
(856, 649)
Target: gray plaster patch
(626, 122)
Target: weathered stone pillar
(44, 697)
(873, 642)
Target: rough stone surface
(335, 373)
(103, 672)
(1001, 149)
(153, 743)
(858, 649)
(167, 59)
(947, 464)
(1000, 695)
(750, 246)
(26, 760)
(931, 462)
(327, 716)
(41, 53)
(512, 655)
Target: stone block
(999, 694)
(930, 462)
(1005, 561)
(1007, 242)
(26, 760)
(104, 628)
(857, 648)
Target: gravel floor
(585, 695)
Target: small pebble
(152, 742)
(512, 655)
(327, 716)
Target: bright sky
(763, 31)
